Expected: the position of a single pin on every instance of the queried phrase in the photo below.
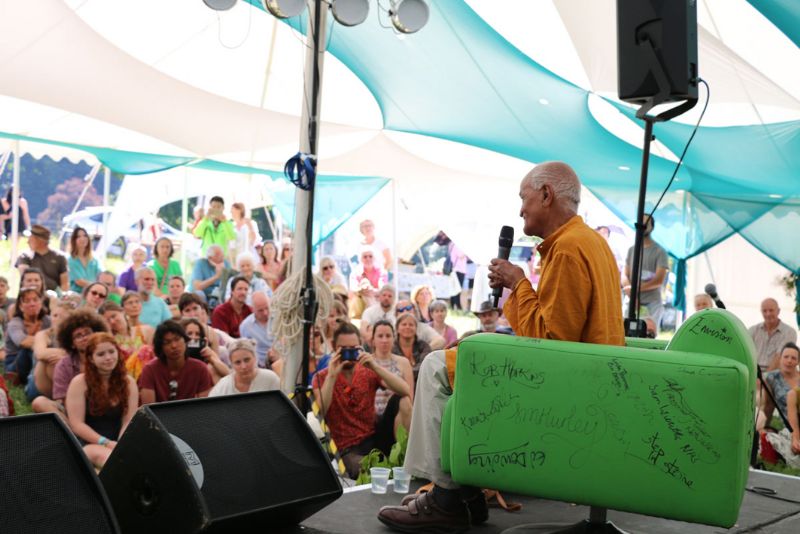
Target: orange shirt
(579, 292)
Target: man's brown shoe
(478, 508)
(422, 514)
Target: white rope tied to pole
(287, 307)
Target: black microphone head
(711, 290)
(506, 236)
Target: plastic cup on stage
(380, 479)
(402, 479)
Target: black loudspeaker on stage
(46, 483)
(241, 463)
(669, 27)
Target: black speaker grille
(45, 483)
(258, 450)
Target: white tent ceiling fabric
(50, 56)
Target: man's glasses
(173, 389)
(327, 267)
(98, 294)
(401, 309)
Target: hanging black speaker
(46, 482)
(667, 28)
(241, 463)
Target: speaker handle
(663, 89)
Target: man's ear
(547, 195)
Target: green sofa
(658, 432)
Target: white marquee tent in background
(172, 77)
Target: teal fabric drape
(337, 197)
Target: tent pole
(106, 201)
(304, 204)
(15, 204)
(184, 216)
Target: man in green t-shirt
(109, 279)
(215, 229)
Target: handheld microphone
(505, 243)
(711, 291)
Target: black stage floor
(355, 513)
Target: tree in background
(62, 202)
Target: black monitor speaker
(670, 27)
(240, 463)
(46, 482)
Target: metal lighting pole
(304, 200)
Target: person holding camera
(199, 348)
(172, 376)
(345, 394)
(214, 228)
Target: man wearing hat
(50, 262)
(488, 315)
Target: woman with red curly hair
(102, 400)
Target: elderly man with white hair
(246, 267)
(154, 309)
(256, 327)
(207, 273)
(577, 299)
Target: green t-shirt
(221, 234)
(173, 269)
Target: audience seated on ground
(337, 315)
(345, 394)
(246, 376)
(782, 380)
(228, 316)
(329, 272)
(29, 317)
(94, 295)
(81, 266)
(175, 288)
(197, 347)
(51, 264)
(192, 305)
(702, 302)
(154, 309)
(164, 267)
(246, 266)
(134, 342)
(108, 279)
(101, 400)
(386, 402)
(73, 336)
(127, 280)
(438, 310)
(269, 265)
(172, 376)
(421, 298)
(207, 275)
(407, 343)
(256, 327)
(46, 350)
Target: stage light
(220, 5)
(350, 12)
(284, 9)
(409, 16)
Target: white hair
(560, 177)
(244, 256)
(140, 271)
(212, 249)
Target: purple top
(128, 280)
(66, 369)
